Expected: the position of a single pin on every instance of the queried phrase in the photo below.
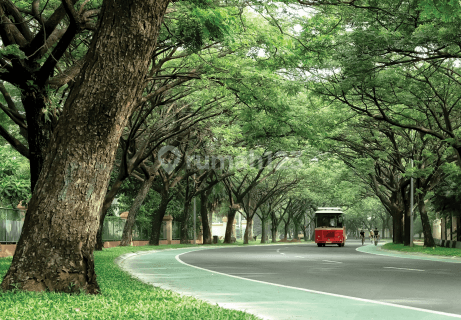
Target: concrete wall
(442, 232)
(219, 228)
(437, 229)
(448, 243)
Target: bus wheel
(340, 244)
(319, 244)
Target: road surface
(307, 282)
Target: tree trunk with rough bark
(285, 230)
(204, 214)
(250, 227)
(427, 230)
(247, 234)
(274, 235)
(458, 228)
(157, 219)
(39, 130)
(406, 226)
(55, 250)
(131, 219)
(442, 229)
(108, 199)
(184, 228)
(230, 224)
(263, 230)
(397, 229)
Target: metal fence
(11, 221)
(113, 230)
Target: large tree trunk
(427, 230)
(157, 219)
(263, 231)
(108, 199)
(131, 219)
(39, 130)
(295, 236)
(458, 228)
(397, 229)
(274, 234)
(406, 226)
(55, 250)
(250, 228)
(285, 230)
(247, 233)
(99, 243)
(443, 234)
(230, 225)
(184, 229)
(204, 214)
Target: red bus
(329, 227)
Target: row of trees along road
(92, 91)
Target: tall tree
(55, 251)
(40, 56)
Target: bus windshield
(329, 221)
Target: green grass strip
(439, 251)
(122, 297)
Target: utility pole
(195, 217)
(411, 207)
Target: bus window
(340, 221)
(329, 221)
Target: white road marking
(281, 253)
(298, 257)
(428, 258)
(250, 273)
(403, 269)
(325, 293)
(331, 261)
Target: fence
(12, 220)
(113, 230)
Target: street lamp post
(411, 206)
(195, 218)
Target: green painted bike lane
(164, 269)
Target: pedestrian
(362, 236)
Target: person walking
(362, 236)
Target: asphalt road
(432, 285)
(301, 281)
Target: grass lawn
(122, 297)
(440, 251)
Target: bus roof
(328, 210)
